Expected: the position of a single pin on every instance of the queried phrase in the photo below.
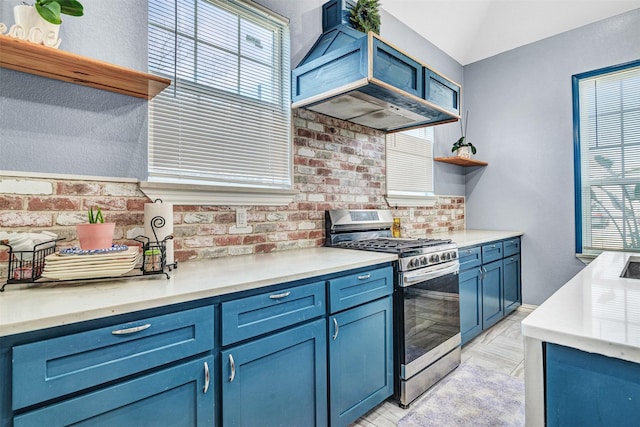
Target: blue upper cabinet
(363, 79)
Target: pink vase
(95, 236)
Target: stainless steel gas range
(426, 296)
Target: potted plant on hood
(461, 148)
(40, 23)
(365, 17)
(96, 234)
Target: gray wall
(520, 104)
(57, 127)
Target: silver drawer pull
(468, 251)
(493, 246)
(364, 277)
(335, 323)
(279, 296)
(131, 330)
(206, 378)
(233, 368)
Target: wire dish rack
(27, 266)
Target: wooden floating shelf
(460, 161)
(20, 55)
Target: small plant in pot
(50, 10)
(96, 234)
(461, 148)
(40, 23)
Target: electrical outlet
(241, 217)
(412, 214)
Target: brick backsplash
(336, 165)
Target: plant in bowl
(96, 234)
(461, 148)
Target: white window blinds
(225, 120)
(609, 147)
(410, 163)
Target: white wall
(521, 121)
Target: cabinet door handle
(493, 246)
(206, 378)
(232, 363)
(468, 251)
(335, 323)
(365, 276)
(131, 330)
(279, 296)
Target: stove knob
(424, 260)
(413, 263)
(446, 256)
(434, 258)
(454, 255)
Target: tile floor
(500, 348)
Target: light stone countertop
(37, 306)
(467, 238)
(596, 311)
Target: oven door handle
(409, 279)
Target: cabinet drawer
(259, 314)
(469, 257)
(51, 368)
(174, 396)
(356, 289)
(491, 252)
(511, 247)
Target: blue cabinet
(360, 360)
(178, 396)
(54, 367)
(360, 343)
(490, 284)
(492, 304)
(151, 370)
(470, 303)
(587, 389)
(512, 287)
(277, 380)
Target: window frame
(577, 153)
(187, 191)
(408, 197)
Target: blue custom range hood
(360, 78)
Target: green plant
(460, 143)
(365, 16)
(50, 10)
(97, 218)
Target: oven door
(429, 318)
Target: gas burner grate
(392, 245)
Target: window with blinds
(410, 166)
(225, 120)
(607, 145)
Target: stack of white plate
(84, 265)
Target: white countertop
(26, 308)
(596, 311)
(467, 238)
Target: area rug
(470, 396)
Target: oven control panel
(439, 256)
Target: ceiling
(471, 30)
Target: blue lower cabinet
(182, 395)
(587, 389)
(278, 380)
(512, 298)
(360, 360)
(470, 303)
(492, 303)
